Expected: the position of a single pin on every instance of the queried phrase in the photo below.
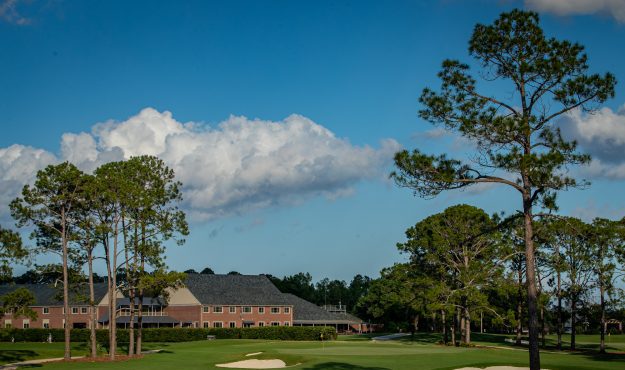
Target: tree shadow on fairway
(18, 355)
(343, 366)
(606, 357)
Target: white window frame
(218, 309)
(246, 310)
(286, 310)
(75, 309)
(261, 324)
(218, 324)
(206, 309)
(276, 309)
(275, 323)
(26, 324)
(232, 309)
(287, 323)
(45, 310)
(261, 310)
(232, 324)
(84, 310)
(44, 323)
(8, 323)
(206, 324)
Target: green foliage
(163, 335)
(19, 302)
(11, 252)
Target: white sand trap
(253, 354)
(497, 368)
(255, 364)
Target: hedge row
(175, 334)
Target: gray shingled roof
(305, 312)
(48, 295)
(235, 290)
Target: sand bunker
(255, 364)
(497, 368)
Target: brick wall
(256, 317)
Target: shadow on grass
(19, 355)
(343, 366)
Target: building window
(275, 309)
(46, 310)
(218, 324)
(286, 323)
(261, 309)
(287, 309)
(233, 309)
(206, 324)
(218, 309)
(275, 323)
(233, 324)
(205, 309)
(74, 310)
(246, 309)
(26, 324)
(84, 310)
(7, 323)
(261, 323)
(46, 324)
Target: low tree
(12, 252)
(461, 244)
(517, 141)
(19, 303)
(607, 241)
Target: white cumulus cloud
(602, 135)
(615, 8)
(239, 165)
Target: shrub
(297, 333)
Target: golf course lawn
(349, 353)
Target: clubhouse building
(208, 301)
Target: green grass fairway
(350, 353)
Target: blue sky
(281, 117)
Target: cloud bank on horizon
(602, 135)
(615, 8)
(240, 165)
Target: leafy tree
(18, 302)
(50, 205)
(607, 241)
(11, 252)
(207, 271)
(399, 295)
(518, 144)
(574, 262)
(190, 271)
(460, 245)
(234, 273)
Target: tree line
(122, 215)
(466, 272)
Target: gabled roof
(48, 295)
(234, 290)
(305, 312)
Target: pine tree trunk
(530, 273)
(67, 329)
(92, 318)
(467, 325)
(603, 324)
(559, 293)
(519, 307)
(573, 320)
(444, 323)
